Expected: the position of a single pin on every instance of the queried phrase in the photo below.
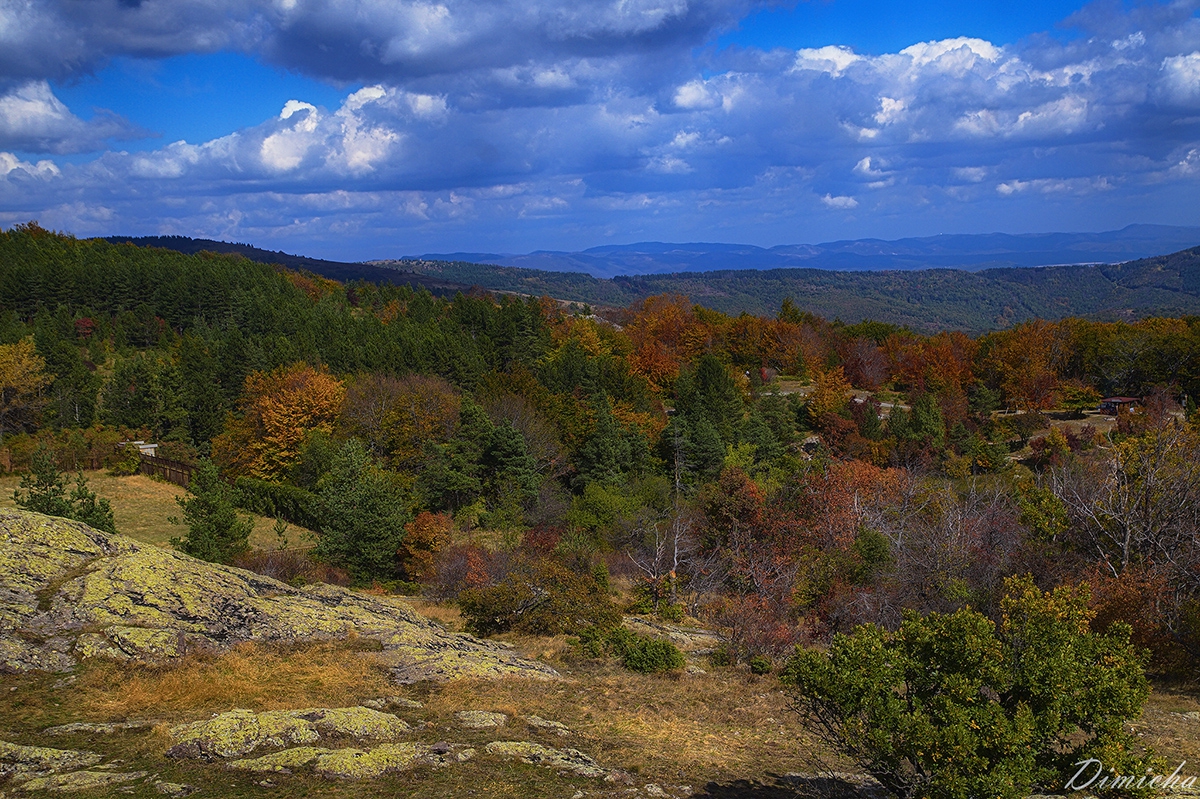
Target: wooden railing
(172, 471)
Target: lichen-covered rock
(177, 789)
(571, 760)
(94, 728)
(69, 592)
(557, 727)
(384, 702)
(480, 719)
(82, 780)
(21, 763)
(240, 732)
(356, 764)
(283, 761)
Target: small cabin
(1115, 405)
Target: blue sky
(375, 128)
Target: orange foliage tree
(278, 410)
(398, 417)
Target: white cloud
(1181, 78)
(832, 60)
(842, 202)
(33, 118)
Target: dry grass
(249, 676)
(142, 504)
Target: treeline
(784, 476)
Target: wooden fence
(172, 471)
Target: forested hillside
(927, 300)
(782, 477)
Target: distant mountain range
(926, 300)
(970, 252)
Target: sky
(358, 129)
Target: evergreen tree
(216, 532)
(605, 454)
(44, 490)
(362, 516)
(757, 432)
(710, 391)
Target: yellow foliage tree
(23, 381)
(278, 411)
(830, 394)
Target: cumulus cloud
(33, 119)
(351, 39)
(842, 202)
(598, 118)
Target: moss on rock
(357, 764)
(69, 592)
(283, 761)
(571, 760)
(240, 732)
(22, 763)
(82, 780)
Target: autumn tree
(23, 381)
(399, 418)
(277, 411)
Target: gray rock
(571, 760)
(480, 719)
(81, 781)
(23, 763)
(540, 723)
(176, 789)
(69, 592)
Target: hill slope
(965, 251)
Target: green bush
(216, 532)
(651, 655)
(277, 500)
(539, 597)
(761, 664)
(950, 706)
(637, 652)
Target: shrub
(761, 664)
(637, 652)
(44, 490)
(651, 655)
(540, 597)
(949, 706)
(277, 500)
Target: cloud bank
(554, 124)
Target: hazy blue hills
(926, 300)
(966, 251)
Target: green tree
(362, 516)
(950, 706)
(44, 490)
(216, 532)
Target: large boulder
(69, 592)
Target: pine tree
(216, 532)
(45, 491)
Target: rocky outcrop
(569, 760)
(69, 592)
(240, 732)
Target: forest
(783, 478)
